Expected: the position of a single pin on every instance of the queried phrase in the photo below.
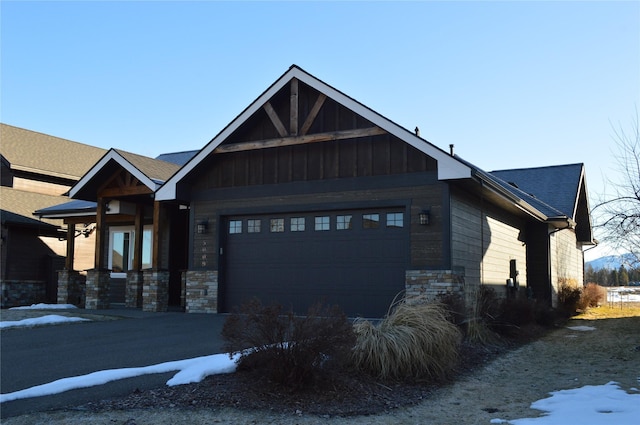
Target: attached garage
(354, 258)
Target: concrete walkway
(120, 338)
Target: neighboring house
(310, 195)
(37, 171)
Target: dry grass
(414, 341)
(613, 311)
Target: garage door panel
(359, 269)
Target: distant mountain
(610, 262)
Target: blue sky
(511, 84)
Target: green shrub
(413, 341)
(291, 350)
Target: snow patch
(590, 405)
(581, 328)
(190, 370)
(50, 319)
(45, 307)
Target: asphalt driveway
(34, 356)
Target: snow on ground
(581, 328)
(50, 319)
(629, 294)
(590, 405)
(189, 371)
(45, 307)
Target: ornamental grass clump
(414, 341)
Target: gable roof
(150, 172)
(448, 166)
(557, 185)
(48, 155)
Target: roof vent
(514, 184)
(417, 130)
(451, 146)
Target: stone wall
(201, 291)
(428, 285)
(17, 293)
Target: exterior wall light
(201, 227)
(425, 217)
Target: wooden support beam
(275, 119)
(126, 191)
(293, 110)
(313, 114)
(300, 140)
(156, 245)
(138, 237)
(101, 234)
(71, 246)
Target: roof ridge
(539, 167)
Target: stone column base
(155, 290)
(97, 289)
(71, 288)
(133, 294)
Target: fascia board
(115, 156)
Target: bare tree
(618, 212)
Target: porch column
(155, 291)
(70, 282)
(97, 291)
(135, 278)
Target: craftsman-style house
(310, 195)
(37, 170)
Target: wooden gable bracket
(301, 140)
(123, 183)
(295, 136)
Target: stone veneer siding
(133, 289)
(71, 288)
(17, 293)
(97, 289)
(155, 290)
(201, 291)
(428, 285)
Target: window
(297, 224)
(122, 247)
(395, 219)
(276, 225)
(253, 225)
(343, 222)
(370, 221)
(322, 223)
(235, 227)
